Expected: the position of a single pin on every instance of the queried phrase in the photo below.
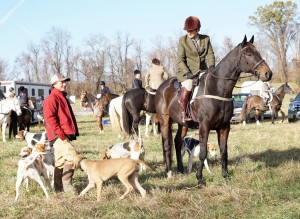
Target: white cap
(58, 77)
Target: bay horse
(98, 105)
(134, 101)
(257, 103)
(6, 106)
(212, 106)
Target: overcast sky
(25, 21)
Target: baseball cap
(58, 77)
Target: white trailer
(253, 87)
(35, 90)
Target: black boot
(68, 172)
(184, 98)
(58, 186)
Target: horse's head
(252, 62)
(287, 89)
(83, 98)
(17, 106)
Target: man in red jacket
(61, 128)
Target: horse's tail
(126, 120)
(114, 116)
(244, 110)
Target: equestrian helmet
(156, 61)
(11, 89)
(192, 23)
(22, 88)
(101, 83)
(136, 72)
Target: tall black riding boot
(184, 98)
(68, 172)
(58, 186)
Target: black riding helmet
(101, 83)
(11, 89)
(22, 88)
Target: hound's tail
(126, 118)
(144, 164)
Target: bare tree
(55, 47)
(3, 68)
(278, 22)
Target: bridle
(236, 78)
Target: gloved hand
(189, 75)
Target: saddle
(196, 81)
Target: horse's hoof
(169, 174)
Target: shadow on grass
(271, 158)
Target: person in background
(23, 97)
(61, 128)
(267, 92)
(195, 54)
(11, 93)
(104, 89)
(136, 81)
(156, 75)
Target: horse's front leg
(273, 115)
(282, 116)
(203, 138)
(99, 121)
(257, 114)
(222, 140)
(181, 133)
(166, 133)
(3, 131)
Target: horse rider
(23, 97)
(11, 93)
(156, 75)
(195, 54)
(136, 81)
(104, 90)
(267, 92)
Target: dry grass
(264, 163)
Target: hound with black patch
(32, 138)
(192, 146)
(132, 149)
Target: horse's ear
(244, 40)
(252, 39)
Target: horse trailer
(37, 91)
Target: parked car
(238, 101)
(294, 109)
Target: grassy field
(264, 168)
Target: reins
(209, 72)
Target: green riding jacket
(190, 60)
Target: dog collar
(78, 164)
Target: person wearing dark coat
(136, 81)
(23, 97)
